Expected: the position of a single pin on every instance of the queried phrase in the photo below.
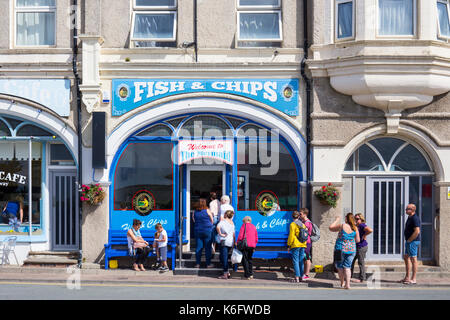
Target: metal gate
(64, 210)
(385, 214)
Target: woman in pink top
(249, 230)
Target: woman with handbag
(246, 243)
(345, 247)
(137, 246)
(226, 235)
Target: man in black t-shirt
(412, 242)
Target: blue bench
(271, 245)
(117, 245)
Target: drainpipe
(78, 95)
(195, 31)
(308, 83)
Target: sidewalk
(262, 278)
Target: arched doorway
(178, 159)
(380, 178)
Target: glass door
(385, 215)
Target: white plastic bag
(236, 256)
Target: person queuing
(308, 256)
(227, 236)
(203, 225)
(224, 206)
(296, 248)
(249, 233)
(361, 247)
(345, 247)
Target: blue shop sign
(281, 94)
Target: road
(99, 291)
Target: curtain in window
(444, 22)
(154, 26)
(395, 17)
(345, 20)
(35, 28)
(257, 26)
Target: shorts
(308, 255)
(346, 261)
(411, 248)
(162, 253)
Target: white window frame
(336, 20)
(401, 36)
(447, 3)
(259, 9)
(154, 10)
(16, 10)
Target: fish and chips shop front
(183, 139)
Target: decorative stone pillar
(90, 87)
(442, 237)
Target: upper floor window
(396, 17)
(154, 23)
(259, 23)
(344, 18)
(443, 7)
(35, 22)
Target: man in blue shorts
(412, 242)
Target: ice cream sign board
(281, 94)
(189, 150)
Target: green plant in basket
(327, 195)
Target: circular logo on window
(123, 91)
(143, 202)
(288, 93)
(267, 203)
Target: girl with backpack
(296, 246)
(345, 247)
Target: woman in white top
(137, 246)
(225, 206)
(226, 235)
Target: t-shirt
(214, 207)
(228, 228)
(412, 222)
(224, 208)
(362, 243)
(162, 234)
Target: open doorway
(201, 180)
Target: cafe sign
(281, 94)
(7, 177)
(189, 150)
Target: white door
(386, 201)
(204, 177)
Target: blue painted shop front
(159, 171)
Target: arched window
(205, 126)
(158, 130)
(29, 130)
(4, 130)
(387, 154)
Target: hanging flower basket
(327, 195)
(92, 194)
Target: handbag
(236, 256)
(242, 244)
(138, 245)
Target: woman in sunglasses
(361, 247)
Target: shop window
(158, 130)
(30, 130)
(252, 130)
(396, 17)
(205, 126)
(35, 22)
(15, 181)
(144, 166)
(279, 179)
(345, 18)
(443, 7)
(154, 23)
(259, 23)
(60, 156)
